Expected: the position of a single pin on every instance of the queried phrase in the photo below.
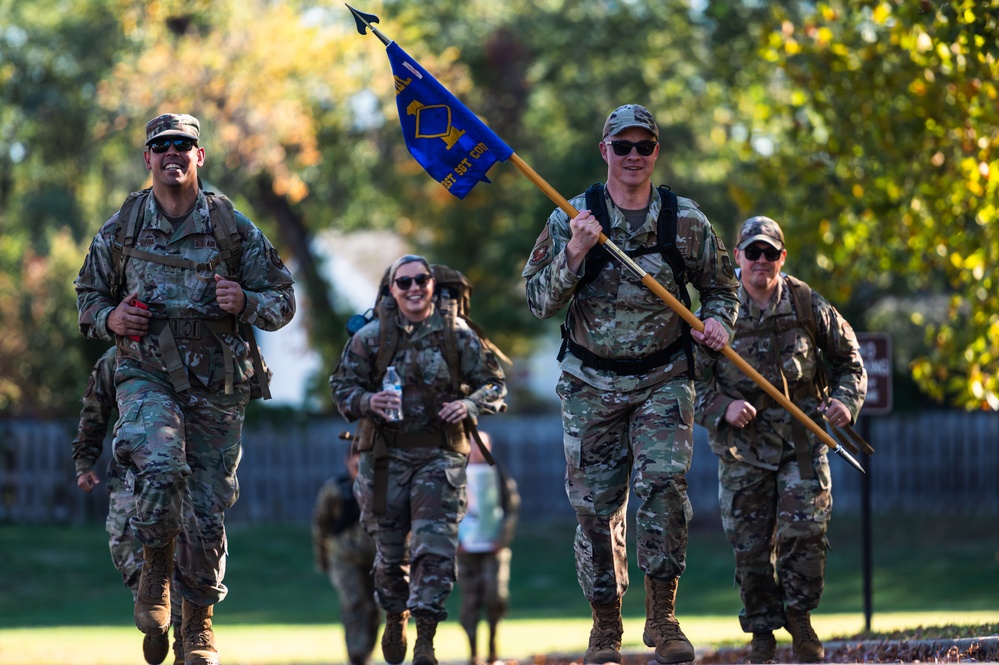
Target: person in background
(484, 538)
(345, 553)
(126, 549)
(775, 490)
(627, 367)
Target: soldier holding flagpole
(627, 367)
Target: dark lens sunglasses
(182, 145)
(753, 253)
(405, 282)
(644, 148)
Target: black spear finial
(364, 21)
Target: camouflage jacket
(774, 342)
(95, 416)
(181, 294)
(426, 381)
(335, 526)
(616, 316)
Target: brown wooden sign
(875, 348)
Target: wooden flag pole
(687, 315)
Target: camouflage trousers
(776, 523)
(126, 550)
(183, 450)
(484, 584)
(351, 558)
(417, 536)
(609, 436)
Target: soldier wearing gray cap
(173, 124)
(626, 383)
(176, 278)
(775, 487)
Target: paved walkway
(972, 649)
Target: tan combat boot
(804, 641)
(605, 635)
(199, 639)
(155, 648)
(662, 630)
(423, 650)
(394, 637)
(152, 602)
(763, 648)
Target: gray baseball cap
(630, 115)
(173, 124)
(763, 229)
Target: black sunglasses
(644, 148)
(405, 282)
(753, 253)
(182, 145)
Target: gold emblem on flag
(449, 134)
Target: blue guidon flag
(448, 140)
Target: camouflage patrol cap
(173, 124)
(760, 228)
(630, 115)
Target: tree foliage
(881, 119)
(867, 128)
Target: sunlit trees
(881, 120)
(868, 129)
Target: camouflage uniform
(98, 403)
(418, 532)
(346, 553)
(183, 445)
(484, 568)
(771, 510)
(617, 424)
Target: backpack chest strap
(204, 270)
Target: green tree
(875, 139)
(867, 128)
(51, 56)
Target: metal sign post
(875, 348)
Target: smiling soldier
(176, 278)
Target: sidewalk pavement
(964, 650)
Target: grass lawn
(62, 601)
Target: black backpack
(597, 258)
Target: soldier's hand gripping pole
(688, 316)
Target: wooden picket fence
(933, 462)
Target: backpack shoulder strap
(597, 206)
(801, 296)
(388, 337)
(666, 227)
(449, 310)
(597, 257)
(128, 227)
(223, 219)
(222, 216)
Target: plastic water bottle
(393, 383)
